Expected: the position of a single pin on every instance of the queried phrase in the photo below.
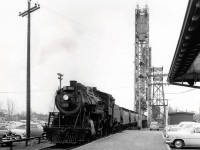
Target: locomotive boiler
(85, 113)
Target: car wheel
(150, 129)
(18, 137)
(44, 135)
(178, 143)
(157, 129)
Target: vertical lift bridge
(145, 99)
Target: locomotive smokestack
(73, 83)
(94, 89)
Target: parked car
(187, 137)
(13, 124)
(43, 123)
(3, 130)
(36, 130)
(5, 133)
(154, 126)
(181, 126)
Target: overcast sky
(91, 41)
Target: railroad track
(70, 147)
(64, 147)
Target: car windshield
(34, 126)
(31, 126)
(187, 125)
(154, 123)
(197, 130)
(21, 127)
(3, 128)
(184, 123)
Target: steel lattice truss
(158, 101)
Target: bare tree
(52, 106)
(171, 109)
(23, 113)
(1, 105)
(197, 117)
(10, 109)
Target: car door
(35, 131)
(195, 137)
(3, 131)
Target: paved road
(129, 140)
(33, 145)
(187, 148)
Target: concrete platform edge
(168, 147)
(95, 141)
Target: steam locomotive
(86, 113)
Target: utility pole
(199, 113)
(28, 90)
(60, 78)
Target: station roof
(185, 66)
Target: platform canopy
(185, 67)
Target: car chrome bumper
(154, 128)
(169, 141)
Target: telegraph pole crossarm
(36, 7)
(28, 100)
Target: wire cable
(182, 92)
(61, 15)
(25, 92)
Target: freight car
(86, 113)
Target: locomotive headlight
(65, 97)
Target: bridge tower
(142, 62)
(158, 101)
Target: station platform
(129, 140)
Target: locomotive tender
(86, 113)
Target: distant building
(177, 117)
(155, 112)
(2, 116)
(21, 117)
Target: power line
(125, 87)
(182, 92)
(41, 91)
(25, 91)
(61, 15)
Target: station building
(177, 117)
